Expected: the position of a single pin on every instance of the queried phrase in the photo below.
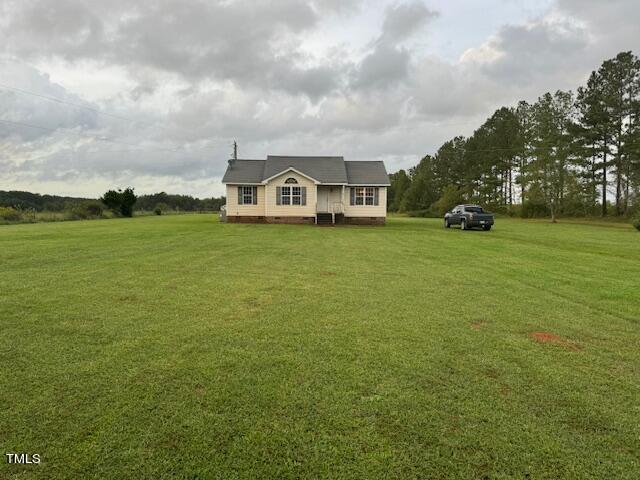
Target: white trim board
(368, 184)
(290, 169)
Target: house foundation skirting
(261, 219)
(244, 219)
(364, 220)
(309, 220)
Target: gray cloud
(403, 19)
(385, 66)
(388, 62)
(543, 55)
(557, 51)
(611, 26)
(247, 41)
(19, 110)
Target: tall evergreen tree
(400, 183)
(422, 192)
(551, 148)
(620, 78)
(524, 117)
(449, 165)
(596, 131)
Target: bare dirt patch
(546, 337)
(478, 325)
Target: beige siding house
(320, 190)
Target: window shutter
(353, 196)
(376, 196)
(239, 195)
(303, 192)
(278, 195)
(255, 195)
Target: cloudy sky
(97, 94)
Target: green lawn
(179, 347)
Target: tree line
(184, 203)
(54, 203)
(567, 154)
(26, 207)
(40, 203)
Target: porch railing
(337, 207)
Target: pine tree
(524, 116)
(619, 78)
(550, 168)
(421, 194)
(596, 128)
(400, 183)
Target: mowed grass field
(180, 347)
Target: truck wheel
(446, 223)
(486, 228)
(463, 224)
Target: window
(364, 196)
(473, 209)
(291, 196)
(296, 196)
(369, 197)
(247, 195)
(286, 195)
(290, 180)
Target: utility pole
(235, 150)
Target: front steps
(324, 219)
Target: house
(321, 190)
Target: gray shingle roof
(244, 171)
(367, 173)
(322, 169)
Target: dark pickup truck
(468, 216)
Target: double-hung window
(369, 196)
(296, 196)
(291, 195)
(247, 195)
(364, 196)
(285, 195)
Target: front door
(323, 199)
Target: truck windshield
(473, 209)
